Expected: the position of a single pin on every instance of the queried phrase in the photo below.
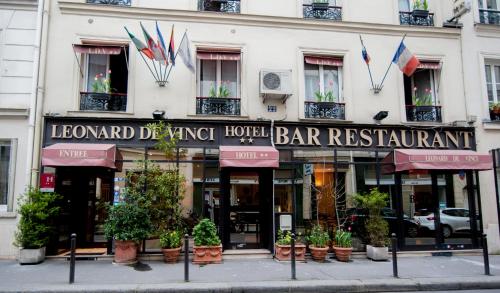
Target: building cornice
(19, 4)
(115, 11)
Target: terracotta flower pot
(171, 255)
(282, 252)
(318, 253)
(343, 253)
(207, 254)
(125, 252)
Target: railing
(325, 110)
(229, 6)
(111, 2)
(331, 13)
(412, 18)
(103, 102)
(494, 115)
(423, 113)
(489, 16)
(218, 106)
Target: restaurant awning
(249, 156)
(81, 155)
(417, 159)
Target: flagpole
(390, 64)
(367, 63)
(175, 56)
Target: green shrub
(318, 237)
(170, 239)
(38, 211)
(205, 234)
(376, 227)
(343, 239)
(284, 238)
(127, 221)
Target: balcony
(423, 113)
(228, 6)
(103, 102)
(111, 2)
(413, 18)
(325, 110)
(218, 106)
(488, 16)
(329, 13)
(494, 115)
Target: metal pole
(294, 277)
(186, 258)
(72, 259)
(485, 255)
(394, 249)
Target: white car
(453, 220)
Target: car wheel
(446, 231)
(412, 232)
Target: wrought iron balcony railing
(330, 13)
(103, 102)
(218, 106)
(489, 16)
(111, 2)
(324, 110)
(229, 6)
(412, 18)
(423, 113)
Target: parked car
(355, 222)
(453, 220)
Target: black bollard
(72, 259)
(485, 256)
(394, 243)
(294, 277)
(186, 258)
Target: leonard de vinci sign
(209, 133)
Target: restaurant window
(421, 93)
(6, 176)
(493, 89)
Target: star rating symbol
(242, 140)
(250, 140)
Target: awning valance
(249, 156)
(417, 159)
(231, 56)
(97, 49)
(323, 60)
(435, 65)
(81, 155)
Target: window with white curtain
(6, 178)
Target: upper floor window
(6, 159)
(111, 2)
(415, 12)
(421, 93)
(323, 86)
(230, 6)
(323, 9)
(493, 89)
(104, 77)
(489, 11)
(218, 80)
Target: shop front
(255, 177)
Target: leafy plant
(102, 84)
(326, 97)
(221, 92)
(127, 221)
(205, 234)
(318, 237)
(343, 239)
(171, 239)
(422, 100)
(38, 211)
(495, 107)
(376, 227)
(285, 238)
(419, 4)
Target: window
(489, 11)
(228, 6)
(493, 89)
(6, 178)
(404, 5)
(414, 12)
(331, 10)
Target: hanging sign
(47, 182)
(460, 7)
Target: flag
(171, 48)
(366, 57)
(406, 61)
(153, 46)
(141, 47)
(185, 52)
(161, 44)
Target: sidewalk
(262, 275)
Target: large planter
(342, 253)
(171, 255)
(318, 253)
(420, 13)
(125, 252)
(283, 252)
(377, 253)
(207, 254)
(31, 256)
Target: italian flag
(141, 47)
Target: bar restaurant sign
(196, 133)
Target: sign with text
(47, 182)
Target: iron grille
(489, 16)
(423, 113)
(332, 13)
(111, 2)
(409, 18)
(103, 102)
(325, 110)
(217, 106)
(229, 6)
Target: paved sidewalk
(360, 275)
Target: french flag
(406, 61)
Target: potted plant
(171, 242)
(495, 111)
(128, 223)
(207, 245)
(38, 211)
(342, 245)
(420, 8)
(320, 4)
(283, 247)
(376, 227)
(318, 243)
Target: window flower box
(420, 13)
(320, 5)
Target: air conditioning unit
(275, 84)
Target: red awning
(232, 56)
(417, 159)
(249, 156)
(97, 49)
(331, 61)
(81, 155)
(429, 65)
